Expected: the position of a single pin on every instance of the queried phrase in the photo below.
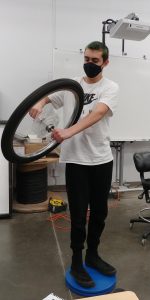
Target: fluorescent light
(130, 30)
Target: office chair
(142, 164)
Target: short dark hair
(96, 45)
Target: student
(87, 153)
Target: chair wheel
(143, 242)
(131, 225)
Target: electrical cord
(54, 219)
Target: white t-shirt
(92, 145)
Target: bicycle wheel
(22, 131)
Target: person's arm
(56, 99)
(38, 107)
(93, 117)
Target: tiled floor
(35, 253)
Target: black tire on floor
(25, 106)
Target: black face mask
(91, 69)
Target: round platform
(103, 284)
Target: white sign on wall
(4, 182)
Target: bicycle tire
(18, 114)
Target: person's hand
(35, 110)
(59, 135)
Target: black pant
(87, 185)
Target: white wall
(78, 23)
(30, 29)
(26, 38)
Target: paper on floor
(52, 297)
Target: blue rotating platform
(103, 284)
